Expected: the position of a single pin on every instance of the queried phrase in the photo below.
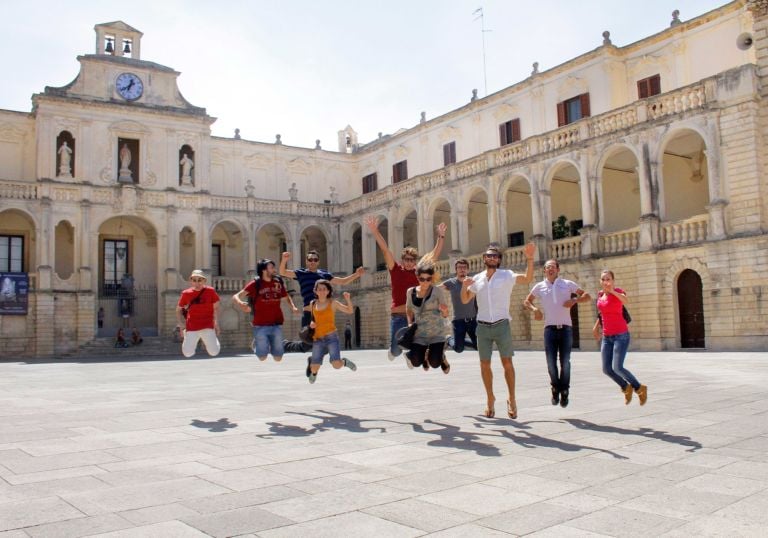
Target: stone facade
(668, 189)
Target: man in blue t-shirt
(307, 278)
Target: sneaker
(642, 393)
(390, 356)
(627, 394)
(253, 345)
(312, 378)
(449, 341)
(308, 371)
(408, 362)
(446, 366)
(564, 398)
(555, 396)
(349, 364)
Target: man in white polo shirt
(493, 288)
(557, 296)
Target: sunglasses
(491, 255)
(409, 259)
(313, 259)
(425, 279)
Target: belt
(491, 323)
(398, 315)
(556, 326)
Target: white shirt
(493, 295)
(552, 296)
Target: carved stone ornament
(759, 8)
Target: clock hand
(129, 85)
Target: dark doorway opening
(690, 304)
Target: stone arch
(407, 216)
(563, 180)
(20, 226)
(684, 189)
(315, 237)
(228, 257)
(517, 215)
(669, 318)
(139, 237)
(619, 194)
(440, 211)
(64, 249)
(476, 200)
(272, 240)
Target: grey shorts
(499, 333)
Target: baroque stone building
(648, 159)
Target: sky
(308, 68)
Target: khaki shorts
(500, 333)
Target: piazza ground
(137, 447)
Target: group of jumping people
(420, 305)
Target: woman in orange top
(326, 339)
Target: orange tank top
(325, 321)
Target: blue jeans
(613, 351)
(558, 341)
(268, 338)
(461, 329)
(396, 323)
(327, 344)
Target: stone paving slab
(234, 447)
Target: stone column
(462, 225)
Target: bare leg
(487, 375)
(509, 377)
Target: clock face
(129, 86)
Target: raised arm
(283, 270)
(346, 308)
(342, 280)
(373, 226)
(434, 254)
(530, 249)
(466, 295)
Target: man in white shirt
(492, 288)
(557, 296)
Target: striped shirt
(307, 281)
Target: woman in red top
(610, 304)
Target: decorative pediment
(401, 152)
(299, 166)
(257, 160)
(505, 111)
(449, 132)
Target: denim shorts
(327, 344)
(268, 338)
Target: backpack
(624, 311)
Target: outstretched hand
(441, 229)
(372, 222)
(346, 296)
(286, 256)
(530, 250)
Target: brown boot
(642, 393)
(627, 394)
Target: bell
(127, 47)
(109, 49)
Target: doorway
(691, 307)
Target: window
(516, 239)
(11, 253)
(215, 259)
(399, 171)
(573, 109)
(509, 132)
(648, 87)
(370, 183)
(115, 262)
(449, 153)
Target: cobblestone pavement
(235, 447)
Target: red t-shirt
(200, 313)
(401, 281)
(266, 303)
(610, 308)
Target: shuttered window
(399, 171)
(370, 183)
(573, 109)
(648, 87)
(509, 132)
(449, 153)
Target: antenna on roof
(482, 33)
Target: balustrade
(619, 242)
(692, 230)
(564, 249)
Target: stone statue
(125, 163)
(317, 144)
(250, 190)
(278, 139)
(65, 159)
(535, 68)
(186, 169)
(474, 95)
(293, 192)
(237, 134)
(423, 118)
(607, 38)
(334, 196)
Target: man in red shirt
(402, 276)
(265, 293)
(201, 304)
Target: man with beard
(557, 296)
(464, 315)
(493, 288)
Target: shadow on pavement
(648, 433)
(221, 425)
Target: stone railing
(691, 230)
(687, 98)
(18, 190)
(613, 121)
(511, 258)
(471, 167)
(563, 137)
(619, 242)
(565, 249)
(380, 278)
(228, 283)
(229, 203)
(512, 153)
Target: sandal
(489, 412)
(512, 411)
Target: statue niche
(186, 166)
(65, 155)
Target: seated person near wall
(136, 338)
(120, 339)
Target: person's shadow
(641, 432)
(328, 421)
(221, 425)
(452, 437)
